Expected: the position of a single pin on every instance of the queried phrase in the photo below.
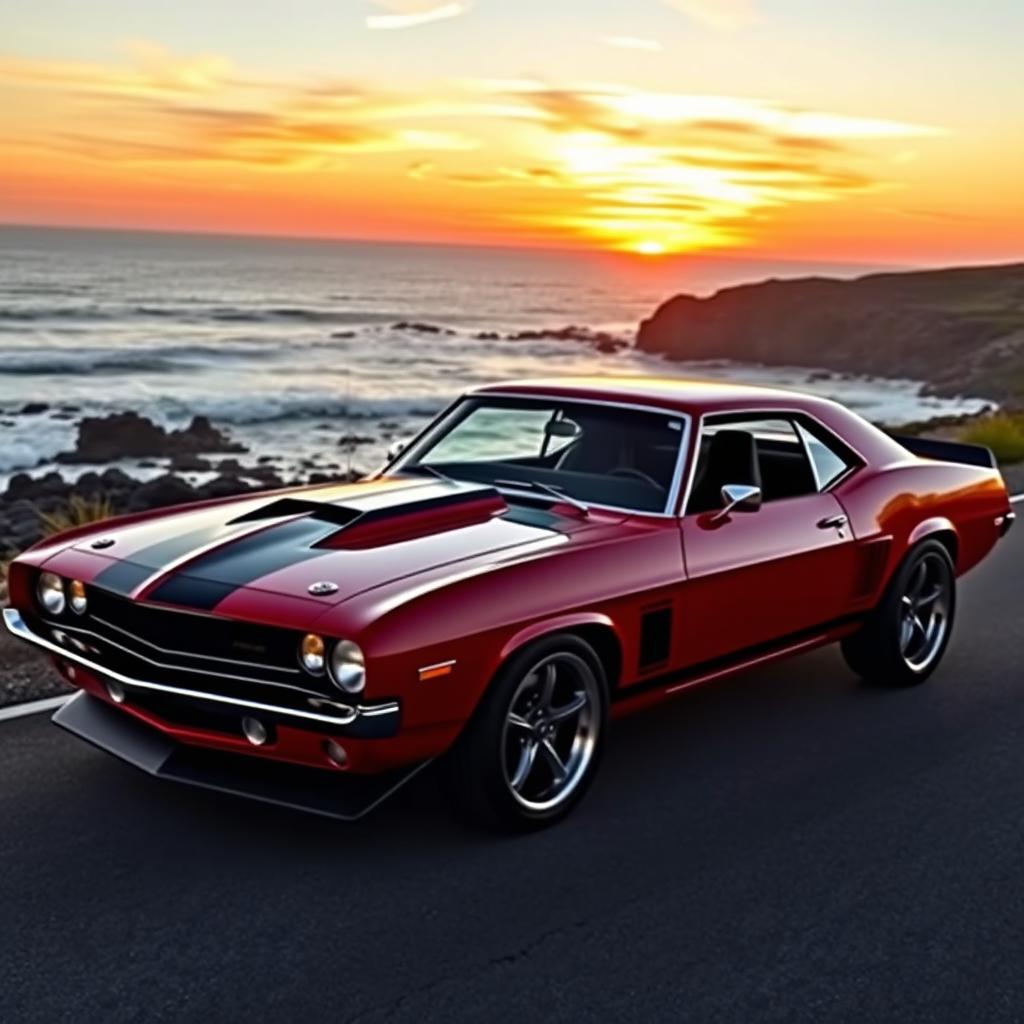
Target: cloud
(632, 43)
(613, 165)
(725, 15)
(411, 15)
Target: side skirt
(652, 691)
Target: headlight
(348, 669)
(77, 597)
(51, 593)
(311, 653)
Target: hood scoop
(378, 523)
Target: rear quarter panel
(906, 501)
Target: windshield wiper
(555, 492)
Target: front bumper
(358, 721)
(333, 795)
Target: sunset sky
(867, 130)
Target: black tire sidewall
(475, 766)
(874, 652)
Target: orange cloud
(596, 164)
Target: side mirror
(739, 498)
(396, 448)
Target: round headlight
(51, 593)
(348, 669)
(311, 653)
(77, 597)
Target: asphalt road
(786, 846)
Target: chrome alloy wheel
(924, 612)
(550, 731)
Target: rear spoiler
(947, 451)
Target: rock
(601, 340)
(223, 487)
(487, 336)
(961, 330)
(264, 459)
(161, 491)
(186, 462)
(129, 435)
(420, 328)
(264, 475)
(352, 440)
(19, 486)
(343, 334)
(230, 467)
(33, 408)
(117, 480)
(89, 484)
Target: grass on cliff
(1003, 432)
(78, 511)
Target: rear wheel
(533, 746)
(904, 638)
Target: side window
(828, 464)
(767, 451)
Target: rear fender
(932, 526)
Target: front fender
(556, 625)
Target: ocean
(291, 344)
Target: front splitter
(315, 791)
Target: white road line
(1017, 499)
(33, 707)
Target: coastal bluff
(960, 331)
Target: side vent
(655, 637)
(874, 555)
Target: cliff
(961, 330)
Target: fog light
(311, 653)
(255, 731)
(336, 754)
(76, 597)
(60, 636)
(115, 691)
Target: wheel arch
(937, 528)
(594, 628)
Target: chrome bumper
(359, 720)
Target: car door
(758, 577)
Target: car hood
(325, 544)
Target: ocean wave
(98, 362)
(241, 410)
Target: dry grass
(79, 511)
(1003, 432)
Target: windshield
(596, 454)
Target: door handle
(832, 522)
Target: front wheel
(904, 638)
(532, 747)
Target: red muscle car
(543, 556)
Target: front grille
(196, 652)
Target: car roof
(692, 396)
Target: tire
(905, 637)
(503, 772)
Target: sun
(649, 247)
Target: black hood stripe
(205, 582)
(124, 577)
